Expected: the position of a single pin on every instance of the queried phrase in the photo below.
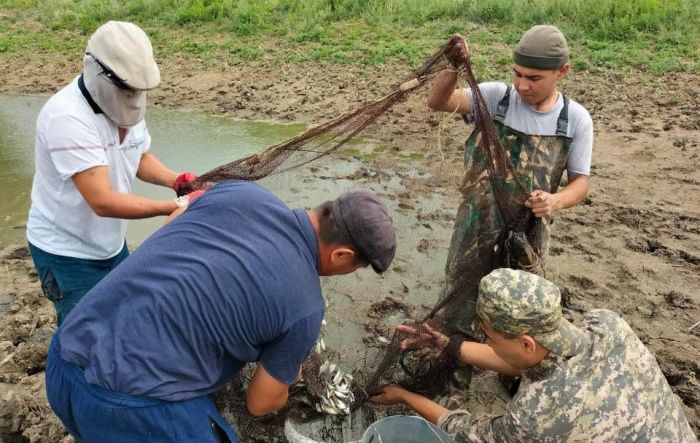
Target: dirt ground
(633, 247)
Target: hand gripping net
(509, 193)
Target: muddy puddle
(362, 308)
(199, 142)
(182, 140)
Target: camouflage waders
(480, 240)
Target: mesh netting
(337, 380)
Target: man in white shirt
(91, 141)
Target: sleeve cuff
(445, 420)
(573, 171)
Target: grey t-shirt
(523, 118)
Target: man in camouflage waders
(544, 132)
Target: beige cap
(126, 50)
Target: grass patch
(655, 36)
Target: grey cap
(542, 47)
(126, 50)
(365, 221)
(520, 303)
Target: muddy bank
(633, 247)
(27, 321)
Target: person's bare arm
(445, 96)
(482, 355)
(152, 170)
(265, 394)
(175, 214)
(544, 204)
(425, 407)
(95, 187)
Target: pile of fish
(337, 397)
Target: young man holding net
(91, 142)
(233, 279)
(595, 381)
(543, 132)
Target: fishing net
(490, 192)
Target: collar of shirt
(545, 368)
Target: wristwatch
(182, 201)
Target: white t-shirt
(523, 118)
(71, 138)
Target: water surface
(199, 142)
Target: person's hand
(183, 177)
(389, 395)
(456, 50)
(426, 341)
(543, 204)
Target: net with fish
(338, 380)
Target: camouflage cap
(520, 303)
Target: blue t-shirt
(234, 279)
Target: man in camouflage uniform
(591, 382)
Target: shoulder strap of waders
(502, 107)
(563, 120)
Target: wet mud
(632, 247)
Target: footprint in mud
(582, 282)
(658, 249)
(555, 251)
(677, 299)
(424, 245)
(571, 299)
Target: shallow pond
(195, 141)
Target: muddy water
(17, 118)
(198, 142)
(182, 140)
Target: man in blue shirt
(234, 279)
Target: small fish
(340, 405)
(329, 410)
(337, 378)
(383, 340)
(324, 367)
(341, 393)
(323, 345)
(318, 347)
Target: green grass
(655, 36)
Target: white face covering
(125, 107)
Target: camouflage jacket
(611, 391)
